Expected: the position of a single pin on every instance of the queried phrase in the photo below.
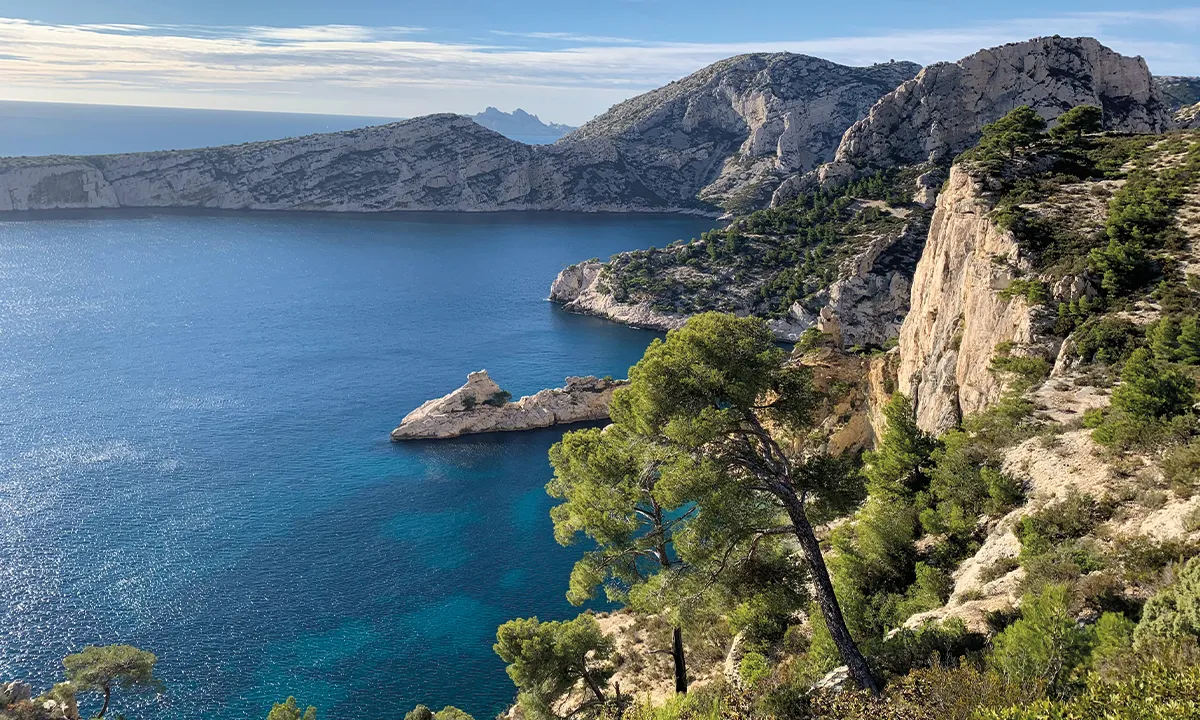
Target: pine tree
(1164, 339)
(1189, 341)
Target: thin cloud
(398, 71)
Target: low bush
(1159, 692)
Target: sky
(566, 61)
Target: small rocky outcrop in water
(481, 406)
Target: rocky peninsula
(481, 406)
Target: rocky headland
(481, 406)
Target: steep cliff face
(730, 130)
(959, 313)
(941, 111)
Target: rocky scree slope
(733, 126)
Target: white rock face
(732, 126)
(481, 406)
(958, 315)
(942, 111)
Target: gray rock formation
(579, 289)
(1188, 118)
(438, 162)
(942, 111)
(481, 406)
(1179, 92)
(732, 129)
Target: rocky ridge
(941, 112)
(730, 132)
(481, 406)
(1188, 118)
(1179, 91)
(959, 311)
(733, 126)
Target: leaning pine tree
(716, 390)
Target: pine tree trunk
(595, 688)
(104, 708)
(826, 599)
(681, 682)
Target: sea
(194, 451)
(34, 128)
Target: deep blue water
(194, 455)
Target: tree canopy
(289, 710)
(546, 660)
(101, 668)
(718, 391)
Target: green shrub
(1174, 612)
(498, 398)
(1035, 292)
(1152, 405)
(1181, 467)
(753, 670)
(1112, 637)
(1189, 340)
(1159, 692)
(900, 465)
(1045, 646)
(1073, 517)
(701, 704)
(1076, 122)
(1108, 340)
(932, 645)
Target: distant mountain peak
(521, 125)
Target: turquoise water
(194, 455)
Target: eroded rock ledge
(481, 406)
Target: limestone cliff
(730, 130)
(941, 111)
(959, 313)
(481, 406)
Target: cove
(194, 453)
